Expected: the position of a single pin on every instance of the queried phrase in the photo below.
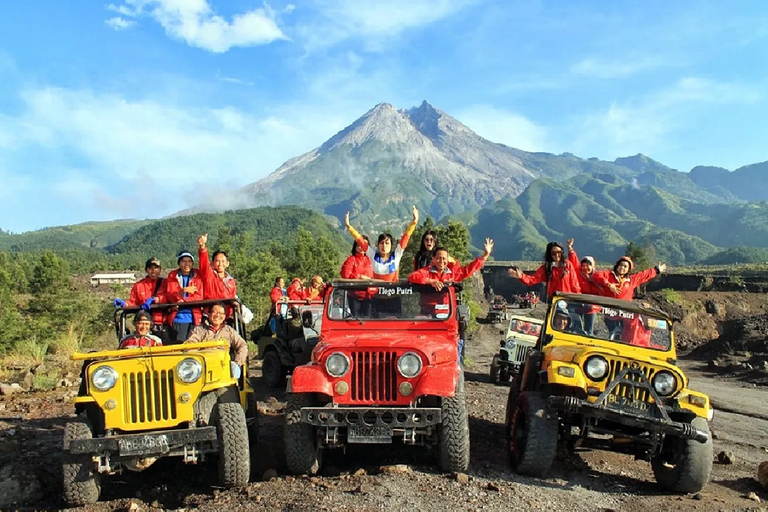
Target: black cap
(152, 262)
(142, 315)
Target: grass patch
(31, 349)
(468, 361)
(46, 381)
(672, 296)
(68, 342)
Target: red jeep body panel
(373, 348)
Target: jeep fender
(440, 380)
(570, 375)
(310, 379)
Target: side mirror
(307, 320)
(462, 312)
(548, 339)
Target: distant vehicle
(292, 345)
(497, 310)
(526, 300)
(521, 334)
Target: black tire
(234, 453)
(81, 481)
(685, 464)
(302, 453)
(532, 435)
(495, 370)
(272, 370)
(454, 432)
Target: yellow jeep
(603, 375)
(136, 405)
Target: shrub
(46, 381)
(672, 296)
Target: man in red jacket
(440, 272)
(141, 338)
(147, 291)
(183, 285)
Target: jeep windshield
(395, 301)
(612, 321)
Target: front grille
(149, 396)
(520, 353)
(374, 376)
(627, 390)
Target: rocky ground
(401, 477)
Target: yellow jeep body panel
(148, 394)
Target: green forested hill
(265, 225)
(95, 235)
(605, 211)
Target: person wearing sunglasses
(555, 272)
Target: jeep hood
(437, 347)
(574, 354)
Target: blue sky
(140, 108)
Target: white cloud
(502, 126)
(195, 23)
(102, 156)
(373, 20)
(118, 23)
(645, 125)
(597, 68)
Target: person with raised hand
(385, 260)
(440, 272)
(183, 285)
(556, 272)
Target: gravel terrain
(400, 477)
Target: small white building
(97, 279)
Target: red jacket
(454, 274)
(215, 287)
(144, 289)
(588, 284)
(174, 293)
(357, 266)
(564, 279)
(295, 290)
(276, 296)
(626, 285)
(635, 332)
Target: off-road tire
(495, 370)
(692, 465)
(234, 453)
(81, 481)
(302, 453)
(453, 455)
(533, 435)
(272, 370)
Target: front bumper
(145, 444)
(393, 417)
(573, 405)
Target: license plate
(629, 403)
(142, 445)
(369, 435)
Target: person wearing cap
(148, 291)
(556, 272)
(141, 338)
(621, 284)
(315, 289)
(183, 285)
(217, 283)
(218, 330)
(385, 259)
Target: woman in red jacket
(589, 282)
(620, 284)
(358, 266)
(558, 275)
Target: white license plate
(370, 435)
(140, 445)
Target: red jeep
(386, 366)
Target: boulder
(762, 474)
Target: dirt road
(30, 444)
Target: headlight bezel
(338, 356)
(409, 355)
(673, 387)
(191, 363)
(510, 343)
(111, 372)
(592, 376)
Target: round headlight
(596, 368)
(510, 343)
(337, 364)
(409, 365)
(664, 383)
(104, 378)
(189, 370)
